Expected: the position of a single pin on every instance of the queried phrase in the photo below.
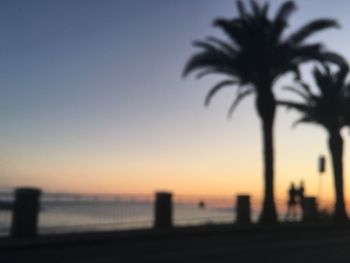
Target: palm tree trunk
(335, 144)
(266, 107)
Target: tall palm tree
(330, 108)
(254, 55)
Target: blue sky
(93, 100)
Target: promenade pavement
(269, 244)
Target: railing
(69, 213)
(203, 210)
(6, 201)
(76, 213)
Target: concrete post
(25, 212)
(243, 209)
(163, 211)
(309, 206)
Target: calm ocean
(81, 216)
(74, 213)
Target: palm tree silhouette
(253, 57)
(330, 109)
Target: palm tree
(330, 109)
(254, 55)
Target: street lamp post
(321, 170)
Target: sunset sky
(92, 100)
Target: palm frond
(204, 45)
(330, 108)
(256, 8)
(296, 91)
(265, 10)
(280, 21)
(214, 60)
(311, 28)
(281, 18)
(229, 49)
(285, 11)
(347, 90)
(237, 100)
(335, 58)
(293, 105)
(341, 75)
(302, 120)
(233, 29)
(257, 54)
(241, 9)
(305, 87)
(294, 68)
(306, 53)
(205, 72)
(322, 79)
(216, 88)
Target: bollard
(309, 206)
(25, 212)
(243, 209)
(163, 211)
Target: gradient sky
(92, 100)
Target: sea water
(73, 213)
(72, 216)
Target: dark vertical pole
(243, 209)
(309, 206)
(321, 170)
(163, 210)
(25, 212)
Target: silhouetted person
(300, 195)
(301, 191)
(292, 202)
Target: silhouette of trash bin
(25, 212)
(309, 207)
(243, 209)
(163, 211)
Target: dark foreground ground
(291, 243)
